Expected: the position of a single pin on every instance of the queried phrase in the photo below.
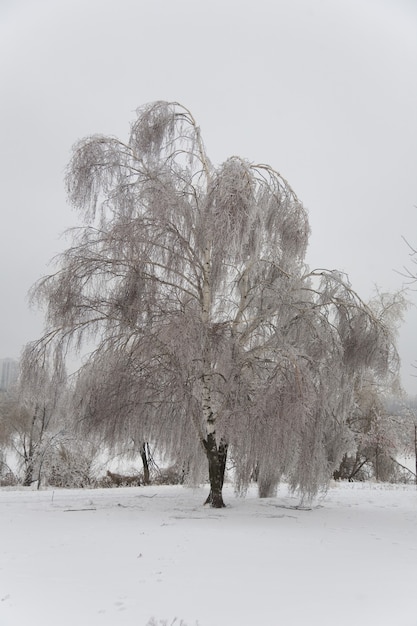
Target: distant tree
(409, 414)
(377, 437)
(376, 431)
(6, 430)
(404, 410)
(195, 276)
(72, 461)
(39, 407)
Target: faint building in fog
(8, 373)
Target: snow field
(115, 557)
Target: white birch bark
(207, 409)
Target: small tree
(403, 410)
(377, 435)
(195, 276)
(375, 430)
(410, 417)
(71, 462)
(7, 412)
(37, 420)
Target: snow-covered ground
(113, 557)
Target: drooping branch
(191, 280)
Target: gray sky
(325, 91)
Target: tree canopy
(212, 335)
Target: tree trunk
(29, 471)
(29, 460)
(144, 457)
(377, 463)
(216, 456)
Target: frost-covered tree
(376, 431)
(409, 415)
(113, 398)
(37, 421)
(377, 435)
(7, 412)
(403, 410)
(195, 276)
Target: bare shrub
(121, 480)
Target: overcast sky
(325, 91)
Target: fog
(324, 92)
